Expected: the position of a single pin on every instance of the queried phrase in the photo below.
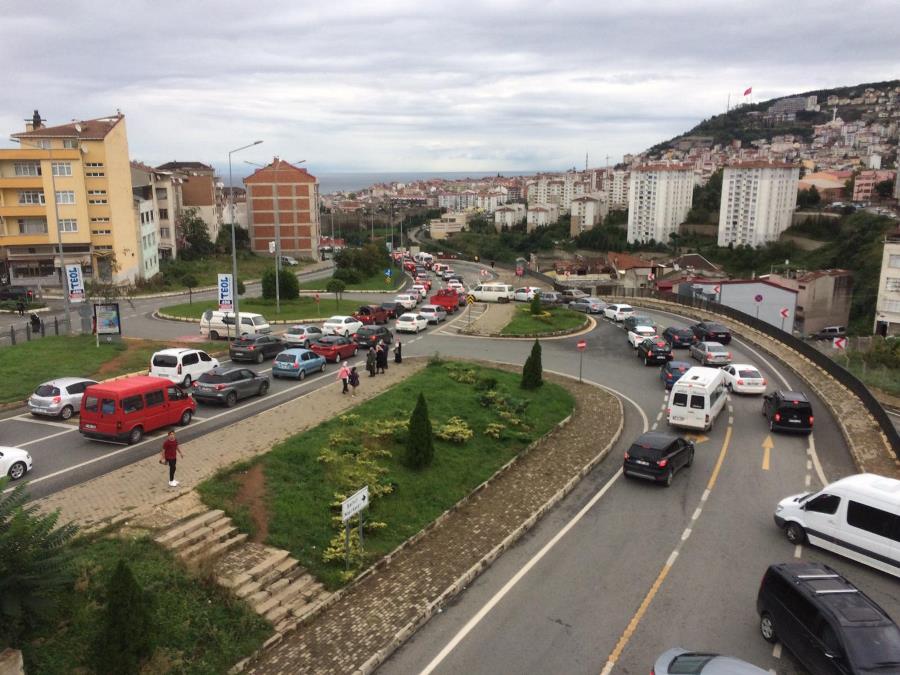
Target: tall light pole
(234, 276)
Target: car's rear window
(689, 664)
(642, 452)
(718, 349)
(285, 358)
(698, 402)
(788, 404)
(749, 373)
(680, 400)
(46, 390)
(212, 378)
(165, 360)
(366, 332)
(243, 342)
(91, 403)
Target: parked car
(392, 308)
(570, 294)
(788, 411)
(710, 331)
(14, 462)
(216, 324)
(433, 313)
(654, 350)
(743, 378)
(658, 456)
(58, 398)
(632, 321)
(672, 371)
(302, 335)
(410, 323)
(289, 261)
(552, 298)
(526, 293)
(829, 625)
(710, 354)
(678, 660)
(334, 347)
(371, 314)
(639, 334)
(830, 332)
(228, 385)
(588, 305)
(341, 325)
(255, 348)
(181, 365)
(297, 363)
(446, 298)
(15, 293)
(126, 409)
(492, 292)
(407, 300)
(456, 286)
(618, 312)
(368, 336)
(679, 337)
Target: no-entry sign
(582, 345)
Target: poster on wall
(74, 283)
(107, 320)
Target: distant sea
(351, 182)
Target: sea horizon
(351, 181)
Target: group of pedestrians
(376, 363)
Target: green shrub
(455, 430)
(536, 308)
(289, 287)
(532, 372)
(348, 276)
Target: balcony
(22, 182)
(24, 211)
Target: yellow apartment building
(79, 173)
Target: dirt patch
(114, 366)
(252, 494)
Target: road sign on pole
(581, 345)
(784, 314)
(839, 343)
(354, 504)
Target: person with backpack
(354, 380)
(344, 376)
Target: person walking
(354, 380)
(20, 307)
(398, 352)
(370, 362)
(344, 376)
(381, 358)
(170, 453)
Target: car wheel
(230, 400)
(186, 417)
(264, 387)
(795, 533)
(322, 369)
(259, 357)
(213, 335)
(690, 459)
(66, 413)
(668, 480)
(186, 382)
(135, 435)
(767, 627)
(16, 471)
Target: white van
(217, 324)
(697, 398)
(493, 292)
(857, 517)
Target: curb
(283, 322)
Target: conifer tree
(532, 372)
(419, 442)
(126, 634)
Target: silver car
(434, 313)
(711, 353)
(302, 335)
(58, 398)
(679, 660)
(588, 305)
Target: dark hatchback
(368, 336)
(654, 350)
(635, 320)
(228, 385)
(255, 348)
(710, 331)
(788, 411)
(672, 371)
(658, 457)
(393, 309)
(679, 337)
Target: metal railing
(27, 331)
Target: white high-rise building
(618, 190)
(758, 201)
(659, 199)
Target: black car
(368, 336)
(788, 411)
(227, 385)
(16, 293)
(654, 350)
(393, 309)
(679, 337)
(658, 457)
(710, 331)
(828, 623)
(255, 348)
(634, 320)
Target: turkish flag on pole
(747, 91)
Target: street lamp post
(234, 276)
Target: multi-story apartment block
(201, 190)
(887, 307)
(447, 224)
(864, 183)
(70, 182)
(240, 207)
(145, 214)
(618, 190)
(508, 216)
(587, 211)
(293, 217)
(659, 198)
(163, 190)
(758, 202)
(540, 215)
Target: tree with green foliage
(808, 199)
(336, 286)
(193, 235)
(884, 189)
(419, 441)
(241, 288)
(535, 307)
(533, 372)
(288, 286)
(241, 238)
(191, 282)
(126, 636)
(34, 564)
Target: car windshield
(874, 647)
(213, 378)
(46, 390)
(165, 360)
(366, 332)
(258, 321)
(689, 664)
(296, 330)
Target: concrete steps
(202, 537)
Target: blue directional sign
(388, 272)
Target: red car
(425, 282)
(371, 315)
(334, 347)
(446, 298)
(409, 266)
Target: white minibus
(493, 292)
(697, 398)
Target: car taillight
(810, 420)
(220, 387)
(729, 355)
(296, 366)
(765, 381)
(57, 399)
(118, 426)
(668, 411)
(668, 376)
(251, 347)
(627, 456)
(709, 357)
(741, 382)
(777, 417)
(662, 462)
(706, 420)
(195, 385)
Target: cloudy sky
(425, 85)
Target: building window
(96, 192)
(61, 168)
(100, 220)
(43, 143)
(32, 226)
(892, 284)
(31, 197)
(70, 143)
(28, 168)
(894, 261)
(65, 197)
(68, 225)
(95, 174)
(95, 165)
(101, 232)
(162, 194)
(164, 214)
(97, 201)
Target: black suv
(710, 331)
(788, 411)
(635, 320)
(829, 624)
(679, 337)
(657, 456)
(368, 336)
(654, 350)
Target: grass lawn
(307, 476)
(302, 308)
(27, 364)
(882, 377)
(523, 323)
(201, 627)
(373, 283)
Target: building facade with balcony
(887, 306)
(163, 190)
(200, 190)
(587, 211)
(659, 198)
(80, 174)
(758, 202)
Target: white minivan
(857, 517)
(217, 324)
(697, 398)
(493, 292)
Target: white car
(618, 312)
(407, 300)
(181, 366)
(341, 325)
(744, 378)
(456, 286)
(433, 313)
(421, 290)
(410, 323)
(14, 462)
(526, 293)
(641, 333)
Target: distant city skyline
(402, 86)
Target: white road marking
(811, 450)
(798, 551)
(44, 438)
(686, 534)
(705, 495)
(672, 558)
(653, 427)
(659, 415)
(697, 513)
(27, 418)
(776, 650)
(807, 480)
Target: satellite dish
(78, 128)
(84, 149)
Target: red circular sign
(582, 345)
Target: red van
(126, 409)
